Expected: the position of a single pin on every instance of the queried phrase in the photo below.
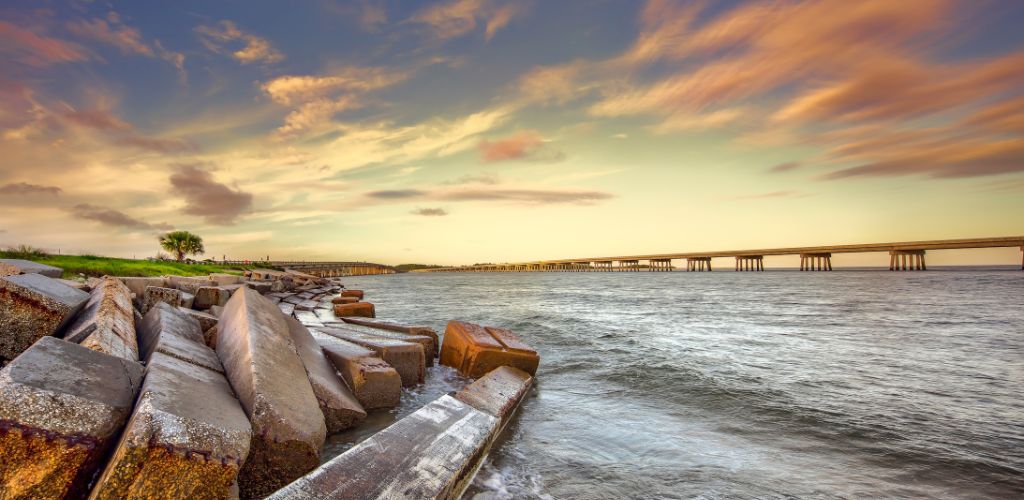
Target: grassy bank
(98, 266)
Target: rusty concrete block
(254, 344)
(427, 342)
(382, 324)
(345, 300)
(405, 357)
(169, 331)
(155, 294)
(11, 267)
(352, 293)
(107, 324)
(373, 382)
(340, 408)
(474, 350)
(61, 407)
(361, 309)
(498, 393)
(432, 453)
(187, 438)
(33, 306)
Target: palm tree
(181, 243)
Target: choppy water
(724, 385)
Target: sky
(468, 131)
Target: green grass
(90, 265)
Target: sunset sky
(489, 131)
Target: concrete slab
(62, 406)
(225, 279)
(341, 409)
(11, 267)
(254, 344)
(432, 453)
(405, 357)
(286, 308)
(187, 438)
(261, 287)
(397, 327)
(155, 294)
(373, 382)
(107, 324)
(352, 293)
(207, 296)
(171, 332)
(206, 320)
(423, 340)
(189, 284)
(308, 318)
(306, 305)
(474, 350)
(361, 309)
(345, 300)
(498, 393)
(33, 306)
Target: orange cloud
(254, 49)
(459, 17)
(127, 40)
(28, 48)
(516, 147)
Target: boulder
(474, 350)
(498, 393)
(345, 300)
(169, 331)
(373, 382)
(432, 453)
(33, 306)
(352, 293)
(11, 267)
(206, 320)
(361, 309)
(107, 324)
(423, 340)
(254, 344)
(405, 357)
(155, 294)
(396, 327)
(187, 438)
(340, 408)
(61, 405)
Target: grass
(91, 265)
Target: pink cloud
(516, 147)
(31, 49)
(128, 40)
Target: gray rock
(155, 294)
(206, 320)
(340, 408)
(209, 296)
(107, 324)
(372, 381)
(11, 267)
(169, 331)
(406, 357)
(33, 306)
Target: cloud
(113, 218)
(772, 194)
(785, 167)
(26, 189)
(527, 196)
(31, 49)
(311, 114)
(396, 194)
(501, 18)
(527, 144)
(156, 144)
(430, 212)
(126, 39)
(254, 49)
(216, 203)
(488, 179)
(456, 18)
(96, 119)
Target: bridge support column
(816, 262)
(907, 260)
(750, 263)
(698, 264)
(660, 265)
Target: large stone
(423, 340)
(187, 438)
(11, 267)
(406, 357)
(474, 350)
(308, 318)
(431, 454)
(373, 382)
(206, 320)
(208, 296)
(189, 284)
(169, 331)
(61, 406)
(187, 299)
(352, 293)
(396, 327)
(33, 306)
(286, 308)
(222, 279)
(340, 408)
(361, 309)
(107, 324)
(345, 300)
(156, 294)
(260, 287)
(138, 285)
(498, 393)
(259, 357)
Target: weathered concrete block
(222, 279)
(138, 285)
(107, 324)
(167, 330)
(396, 327)
(189, 284)
(352, 293)
(286, 308)
(474, 350)
(187, 438)
(155, 294)
(187, 299)
(361, 309)
(340, 408)
(259, 286)
(345, 300)
(11, 267)
(306, 305)
(210, 337)
(373, 382)
(84, 286)
(405, 357)
(33, 306)
(259, 357)
(498, 393)
(432, 453)
(208, 296)
(423, 340)
(61, 406)
(216, 311)
(308, 318)
(206, 320)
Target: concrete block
(432, 453)
(107, 324)
(155, 294)
(261, 287)
(405, 357)
(498, 393)
(254, 344)
(361, 309)
(308, 318)
(189, 284)
(373, 382)
(210, 337)
(171, 332)
(216, 311)
(352, 293)
(222, 279)
(340, 408)
(474, 350)
(423, 340)
(187, 299)
(11, 267)
(396, 327)
(325, 315)
(61, 407)
(187, 438)
(138, 286)
(286, 308)
(206, 320)
(33, 306)
(345, 300)
(208, 296)
(84, 286)
(306, 305)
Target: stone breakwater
(226, 386)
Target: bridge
(321, 269)
(903, 256)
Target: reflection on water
(676, 385)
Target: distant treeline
(404, 268)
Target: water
(725, 385)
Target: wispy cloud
(205, 197)
(32, 49)
(456, 18)
(113, 218)
(771, 194)
(253, 49)
(430, 212)
(397, 194)
(26, 189)
(528, 144)
(785, 167)
(128, 40)
(525, 196)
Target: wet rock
(498, 393)
(423, 340)
(432, 453)
(396, 327)
(11, 267)
(474, 350)
(187, 438)
(345, 300)
(169, 331)
(33, 306)
(405, 357)
(61, 406)
(157, 294)
(107, 324)
(259, 357)
(352, 293)
(361, 309)
(208, 296)
(373, 382)
(340, 408)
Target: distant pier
(321, 269)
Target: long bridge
(321, 269)
(903, 256)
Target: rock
(306, 305)
(81, 285)
(187, 438)
(187, 299)
(210, 337)
(373, 382)
(61, 406)
(405, 357)
(33, 306)
(362, 309)
(155, 294)
(216, 311)
(308, 318)
(208, 296)
(107, 324)
(423, 340)
(352, 293)
(396, 327)
(432, 453)
(11, 267)
(169, 331)
(259, 286)
(498, 393)
(138, 286)
(188, 284)
(474, 350)
(344, 300)
(266, 274)
(286, 308)
(340, 408)
(222, 279)
(206, 320)
(254, 344)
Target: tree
(181, 243)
